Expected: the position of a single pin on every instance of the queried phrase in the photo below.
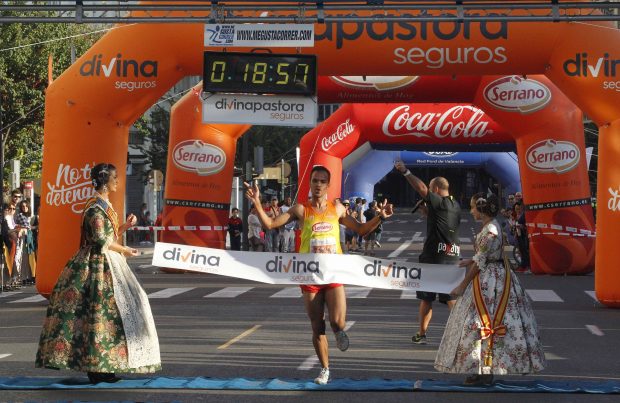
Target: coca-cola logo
(517, 94)
(552, 156)
(322, 227)
(198, 157)
(343, 130)
(377, 83)
(452, 123)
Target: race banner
(298, 268)
(259, 35)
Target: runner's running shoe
(419, 338)
(342, 340)
(323, 377)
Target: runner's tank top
(321, 231)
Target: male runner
(441, 245)
(319, 219)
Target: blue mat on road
(375, 384)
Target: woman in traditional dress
(99, 319)
(491, 329)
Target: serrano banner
(308, 268)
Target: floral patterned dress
(99, 318)
(462, 350)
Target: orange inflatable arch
(91, 106)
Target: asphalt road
(221, 327)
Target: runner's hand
(252, 192)
(386, 209)
(400, 167)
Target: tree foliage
(25, 50)
(154, 127)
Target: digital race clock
(259, 73)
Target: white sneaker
(378, 244)
(342, 340)
(323, 377)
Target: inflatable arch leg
(554, 179)
(200, 168)
(607, 275)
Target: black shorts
(432, 296)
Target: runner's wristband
(407, 173)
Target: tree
(154, 126)
(25, 50)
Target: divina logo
(580, 66)
(278, 265)
(392, 270)
(191, 257)
(122, 69)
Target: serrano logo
(322, 227)
(403, 122)
(343, 130)
(516, 94)
(375, 83)
(201, 158)
(552, 156)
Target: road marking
(408, 294)
(464, 240)
(34, 298)
(358, 292)
(595, 330)
(170, 292)
(9, 293)
(241, 336)
(404, 246)
(393, 239)
(544, 296)
(229, 292)
(313, 360)
(592, 294)
(289, 292)
(145, 266)
(4, 355)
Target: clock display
(259, 73)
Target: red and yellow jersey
(320, 232)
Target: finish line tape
(310, 268)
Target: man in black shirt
(442, 238)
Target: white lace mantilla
(135, 310)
